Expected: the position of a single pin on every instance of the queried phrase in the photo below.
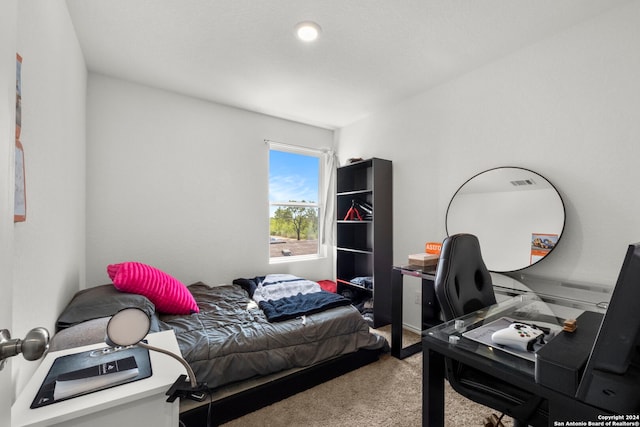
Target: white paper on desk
(482, 334)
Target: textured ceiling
(371, 53)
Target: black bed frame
(242, 403)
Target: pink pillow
(168, 294)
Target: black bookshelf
(365, 242)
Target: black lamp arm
(181, 388)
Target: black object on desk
(560, 362)
(430, 308)
(611, 378)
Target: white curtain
(329, 193)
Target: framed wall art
(20, 199)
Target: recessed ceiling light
(307, 31)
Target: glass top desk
(562, 295)
(447, 341)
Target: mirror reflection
(517, 215)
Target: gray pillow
(85, 333)
(101, 301)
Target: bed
(246, 360)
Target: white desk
(140, 403)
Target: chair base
(493, 421)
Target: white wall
(565, 107)
(182, 184)
(8, 25)
(48, 249)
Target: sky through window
(293, 177)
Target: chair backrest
(463, 283)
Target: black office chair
(463, 285)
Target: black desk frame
(430, 308)
(562, 407)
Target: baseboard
(411, 328)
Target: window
(294, 203)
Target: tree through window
(294, 183)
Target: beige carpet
(385, 393)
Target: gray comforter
(231, 339)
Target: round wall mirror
(517, 215)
